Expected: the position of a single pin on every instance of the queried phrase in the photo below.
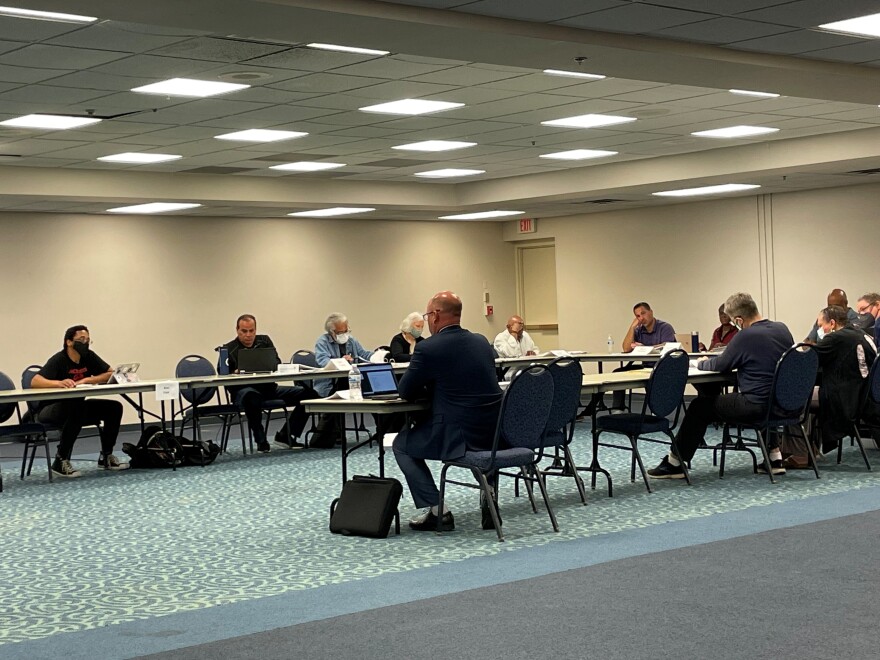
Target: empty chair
(32, 434)
(663, 396)
(522, 425)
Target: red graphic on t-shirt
(78, 374)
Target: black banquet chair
(790, 393)
(32, 434)
(522, 424)
(663, 396)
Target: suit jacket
(455, 369)
(400, 348)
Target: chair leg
(766, 455)
(48, 457)
(24, 456)
(442, 498)
(684, 464)
(811, 455)
(529, 488)
(540, 479)
(582, 490)
(858, 439)
(634, 442)
(493, 505)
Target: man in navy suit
(456, 370)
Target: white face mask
(342, 338)
(820, 332)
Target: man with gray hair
(753, 354)
(336, 342)
(868, 306)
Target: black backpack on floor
(160, 449)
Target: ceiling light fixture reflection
(481, 215)
(260, 135)
(349, 49)
(707, 190)
(15, 12)
(760, 95)
(330, 213)
(867, 26)
(306, 166)
(579, 154)
(50, 122)
(136, 158)
(448, 173)
(588, 121)
(435, 145)
(411, 107)
(573, 74)
(736, 132)
(189, 87)
(153, 207)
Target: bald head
(515, 326)
(837, 298)
(443, 309)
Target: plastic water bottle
(354, 384)
(610, 343)
(223, 361)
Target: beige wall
(788, 250)
(154, 289)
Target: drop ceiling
(668, 63)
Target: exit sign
(528, 226)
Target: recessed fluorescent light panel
(736, 132)
(579, 154)
(46, 15)
(588, 121)
(411, 107)
(760, 95)
(707, 190)
(435, 145)
(329, 213)
(260, 135)
(448, 173)
(154, 207)
(349, 49)
(867, 26)
(50, 122)
(306, 166)
(573, 74)
(482, 215)
(189, 87)
(139, 158)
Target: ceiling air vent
(875, 170)
(607, 200)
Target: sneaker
(282, 439)
(776, 467)
(427, 522)
(63, 468)
(263, 447)
(110, 462)
(666, 470)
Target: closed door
(536, 293)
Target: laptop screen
(251, 360)
(378, 380)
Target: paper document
(341, 394)
(670, 346)
(642, 350)
(337, 364)
(379, 356)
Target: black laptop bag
(366, 507)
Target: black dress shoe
(485, 515)
(428, 522)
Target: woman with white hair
(404, 343)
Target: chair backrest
(7, 410)
(874, 382)
(27, 377)
(525, 408)
(794, 379)
(304, 357)
(567, 380)
(195, 365)
(666, 385)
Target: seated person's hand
(531, 353)
(701, 346)
(67, 382)
(634, 344)
(349, 358)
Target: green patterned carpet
(115, 547)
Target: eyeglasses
(427, 314)
(866, 309)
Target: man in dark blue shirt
(869, 304)
(753, 353)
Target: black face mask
(81, 347)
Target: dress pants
(711, 408)
(251, 399)
(72, 414)
(418, 477)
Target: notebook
(256, 360)
(378, 381)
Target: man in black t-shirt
(77, 365)
(251, 397)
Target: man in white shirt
(515, 341)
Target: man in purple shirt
(645, 330)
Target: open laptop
(256, 360)
(125, 373)
(378, 381)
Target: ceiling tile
(158, 68)
(218, 49)
(50, 95)
(528, 10)
(325, 83)
(812, 13)
(722, 7)
(465, 75)
(722, 30)
(633, 18)
(23, 29)
(391, 68)
(864, 51)
(23, 74)
(118, 36)
(799, 41)
(59, 57)
(309, 59)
